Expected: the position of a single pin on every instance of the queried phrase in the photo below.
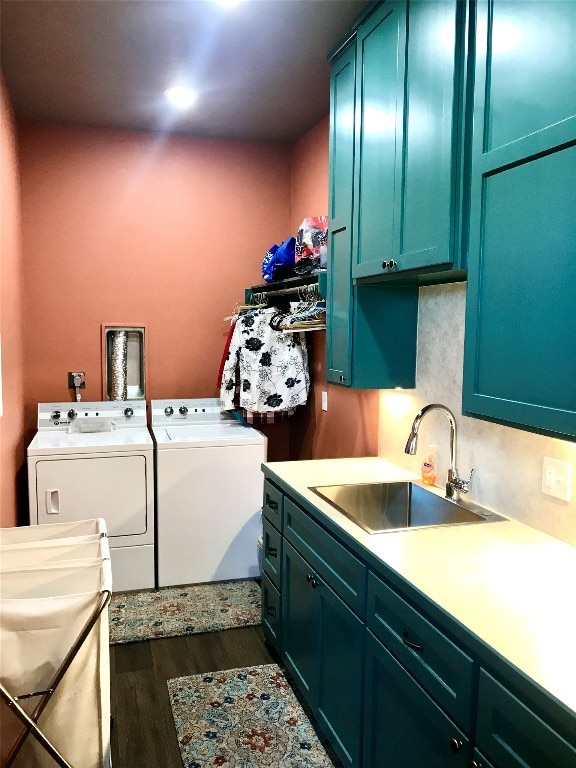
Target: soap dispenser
(428, 469)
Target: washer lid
(205, 435)
(47, 443)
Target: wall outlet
(324, 401)
(557, 478)
(76, 379)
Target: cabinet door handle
(272, 552)
(311, 580)
(476, 764)
(271, 611)
(455, 745)
(272, 504)
(389, 264)
(410, 644)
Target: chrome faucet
(454, 485)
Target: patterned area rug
(243, 718)
(171, 611)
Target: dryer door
(112, 487)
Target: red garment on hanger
(225, 353)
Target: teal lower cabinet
(392, 680)
(404, 727)
(322, 642)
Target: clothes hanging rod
(286, 291)
(291, 286)
(289, 282)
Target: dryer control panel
(91, 417)
(192, 411)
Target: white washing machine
(90, 460)
(208, 492)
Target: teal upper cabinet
(409, 148)
(520, 346)
(371, 329)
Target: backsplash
(507, 462)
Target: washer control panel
(194, 411)
(99, 416)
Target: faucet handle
(461, 485)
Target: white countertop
(511, 585)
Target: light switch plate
(557, 478)
(324, 401)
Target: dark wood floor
(143, 732)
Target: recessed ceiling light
(181, 96)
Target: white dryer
(96, 459)
(208, 492)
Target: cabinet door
(520, 351)
(299, 633)
(404, 728)
(428, 208)
(338, 700)
(339, 298)
(515, 737)
(409, 150)
(381, 43)
(322, 642)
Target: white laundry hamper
(28, 535)
(54, 643)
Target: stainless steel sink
(380, 507)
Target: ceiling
(260, 66)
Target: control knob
(169, 410)
(183, 410)
(71, 414)
(55, 416)
(128, 412)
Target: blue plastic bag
(278, 263)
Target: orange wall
(126, 228)
(350, 425)
(12, 445)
